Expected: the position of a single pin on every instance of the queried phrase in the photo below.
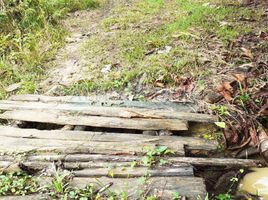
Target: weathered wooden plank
(38, 165)
(16, 145)
(107, 111)
(84, 158)
(180, 107)
(27, 197)
(94, 121)
(163, 187)
(190, 142)
(121, 170)
(128, 172)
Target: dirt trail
(69, 65)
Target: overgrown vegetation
(158, 41)
(18, 183)
(30, 34)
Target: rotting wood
(154, 186)
(20, 145)
(191, 143)
(180, 107)
(159, 186)
(94, 121)
(115, 171)
(81, 159)
(41, 165)
(85, 109)
(128, 172)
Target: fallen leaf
(221, 124)
(227, 86)
(159, 83)
(247, 53)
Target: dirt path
(69, 65)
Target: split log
(164, 187)
(180, 107)
(190, 143)
(84, 109)
(86, 160)
(128, 172)
(161, 187)
(94, 121)
(23, 145)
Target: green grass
(30, 35)
(152, 25)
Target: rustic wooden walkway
(91, 155)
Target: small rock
(166, 50)
(106, 69)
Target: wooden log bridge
(107, 141)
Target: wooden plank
(41, 165)
(114, 171)
(128, 172)
(163, 187)
(107, 111)
(191, 143)
(17, 145)
(180, 107)
(84, 158)
(94, 121)
(27, 197)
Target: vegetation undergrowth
(158, 41)
(30, 34)
(18, 183)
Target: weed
(176, 196)
(153, 156)
(18, 183)
(221, 110)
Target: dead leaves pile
(246, 100)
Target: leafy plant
(224, 197)
(18, 183)
(59, 183)
(176, 196)
(153, 156)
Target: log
(180, 107)
(190, 143)
(82, 159)
(164, 187)
(107, 111)
(94, 121)
(128, 172)
(22, 145)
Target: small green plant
(176, 196)
(221, 110)
(153, 156)
(224, 197)
(59, 184)
(233, 180)
(18, 183)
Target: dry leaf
(247, 53)
(158, 83)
